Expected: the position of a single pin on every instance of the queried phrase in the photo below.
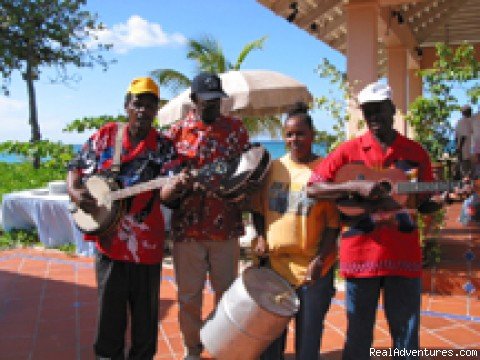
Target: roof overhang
(416, 25)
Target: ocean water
(276, 148)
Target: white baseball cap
(374, 92)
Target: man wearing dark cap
(379, 249)
(128, 260)
(205, 229)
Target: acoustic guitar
(222, 177)
(394, 181)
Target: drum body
(252, 313)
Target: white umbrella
(251, 93)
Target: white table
(48, 213)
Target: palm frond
(261, 125)
(208, 54)
(171, 79)
(247, 49)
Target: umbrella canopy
(251, 93)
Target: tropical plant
(18, 238)
(21, 176)
(430, 114)
(53, 155)
(208, 55)
(95, 123)
(48, 33)
(334, 103)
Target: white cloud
(138, 32)
(13, 119)
(9, 106)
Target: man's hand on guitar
(314, 270)
(260, 246)
(177, 187)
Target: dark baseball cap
(207, 86)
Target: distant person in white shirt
(475, 145)
(463, 137)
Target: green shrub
(22, 176)
(17, 238)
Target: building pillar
(362, 56)
(397, 78)
(415, 85)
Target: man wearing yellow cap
(128, 260)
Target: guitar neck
(139, 188)
(421, 187)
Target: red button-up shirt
(200, 216)
(371, 248)
(140, 232)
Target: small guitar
(221, 177)
(394, 181)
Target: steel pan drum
(253, 312)
(246, 172)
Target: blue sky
(150, 34)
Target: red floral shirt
(200, 216)
(139, 235)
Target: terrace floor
(48, 307)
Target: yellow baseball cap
(143, 85)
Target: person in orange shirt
(298, 235)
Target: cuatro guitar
(394, 181)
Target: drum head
(270, 291)
(245, 172)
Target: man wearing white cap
(129, 255)
(379, 249)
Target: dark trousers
(315, 301)
(401, 301)
(125, 287)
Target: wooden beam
(418, 10)
(339, 44)
(440, 15)
(266, 3)
(323, 7)
(279, 6)
(393, 33)
(397, 2)
(331, 26)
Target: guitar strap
(116, 163)
(115, 168)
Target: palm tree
(208, 55)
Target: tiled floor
(48, 302)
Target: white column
(362, 47)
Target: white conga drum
(252, 313)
